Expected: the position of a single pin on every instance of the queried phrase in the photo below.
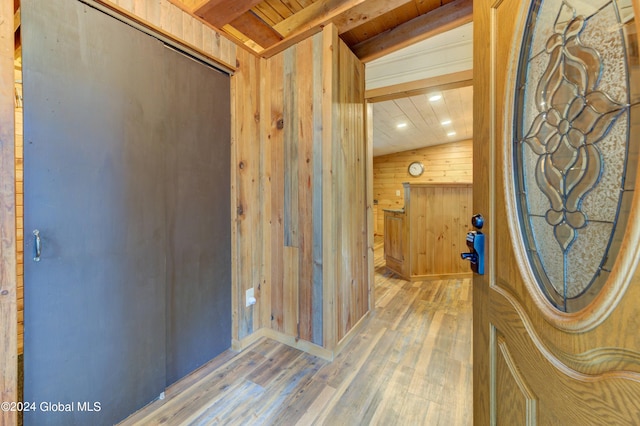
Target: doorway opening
(422, 138)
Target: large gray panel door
(94, 188)
(199, 214)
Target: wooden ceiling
(371, 28)
(416, 122)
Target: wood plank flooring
(410, 365)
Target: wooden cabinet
(394, 233)
(425, 239)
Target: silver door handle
(38, 244)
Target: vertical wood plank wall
(19, 210)
(314, 118)
(247, 197)
(349, 194)
(172, 20)
(447, 163)
(439, 218)
(293, 125)
(8, 297)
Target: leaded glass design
(576, 129)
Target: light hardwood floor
(410, 365)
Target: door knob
(475, 243)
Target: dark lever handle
(469, 256)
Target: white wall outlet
(250, 297)
(397, 192)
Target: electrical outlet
(250, 297)
(397, 192)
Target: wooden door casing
(532, 363)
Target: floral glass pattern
(573, 147)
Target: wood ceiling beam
(17, 18)
(419, 87)
(17, 35)
(221, 12)
(442, 19)
(345, 14)
(256, 29)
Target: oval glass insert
(576, 131)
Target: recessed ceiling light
(401, 125)
(451, 134)
(434, 98)
(445, 122)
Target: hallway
(409, 365)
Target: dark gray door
(132, 247)
(199, 215)
(93, 188)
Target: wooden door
(556, 134)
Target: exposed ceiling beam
(17, 19)
(316, 14)
(17, 33)
(256, 29)
(221, 12)
(444, 18)
(418, 87)
(345, 14)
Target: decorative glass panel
(576, 142)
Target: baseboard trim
(351, 333)
(242, 344)
(441, 276)
(303, 345)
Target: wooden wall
(167, 18)
(19, 209)
(439, 217)
(8, 296)
(314, 175)
(448, 163)
(247, 151)
(349, 195)
(293, 120)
